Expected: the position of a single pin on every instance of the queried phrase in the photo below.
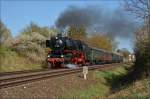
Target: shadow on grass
(118, 79)
(114, 81)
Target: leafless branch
(140, 8)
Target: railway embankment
(11, 61)
(99, 84)
(136, 90)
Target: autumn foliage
(78, 33)
(100, 41)
(96, 40)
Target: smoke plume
(113, 22)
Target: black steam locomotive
(65, 50)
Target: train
(65, 50)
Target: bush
(5, 35)
(11, 61)
(142, 47)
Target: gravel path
(52, 88)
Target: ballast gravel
(50, 88)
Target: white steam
(71, 66)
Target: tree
(34, 33)
(101, 41)
(5, 35)
(142, 48)
(141, 9)
(77, 32)
(33, 28)
(31, 42)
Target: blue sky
(16, 14)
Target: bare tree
(141, 9)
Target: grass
(133, 96)
(113, 77)
(137, 90)
(108, 86)
(99, 89)
(93, 90)
(12, 61)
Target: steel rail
(26, 77)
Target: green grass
(113, 77)
(12, 61)
(89, 93)
(99, 89)
(96, 90)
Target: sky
(17, 14)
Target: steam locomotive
(65, 50)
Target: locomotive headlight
(48, 56)
(56, 37)
(62, 56)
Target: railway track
(17, 78)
